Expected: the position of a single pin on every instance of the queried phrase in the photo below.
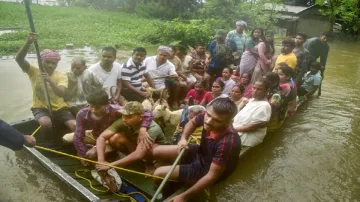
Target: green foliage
(58, 26)
(348, 11)
(183, 32)
(227, 12)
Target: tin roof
(287, 8)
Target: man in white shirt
(162, 71)
(109, 72)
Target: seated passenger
(131, 73)
(57, 84)
(123, 135)
(245, 81)
(228, 81)
(160, 70)
(81, 82)
(210, 162)
(216, 92)
(109, 71)
(251, 121)
(198, 65)
(196, 135)
(287, 88)
(196, 95)
(277, 101)
(185, 59)
(237, 97)
(286, 56)
(312, 80)
(93, 120)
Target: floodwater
(315, 157)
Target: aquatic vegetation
(58, 26)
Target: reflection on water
(315, 157)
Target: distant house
(295, 19)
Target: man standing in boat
(123, 134)
(57, 85)
(319, 48)
(214, 159)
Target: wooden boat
(64, 167)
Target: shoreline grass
(58, 26)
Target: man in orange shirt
(286, 56)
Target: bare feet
(29, 141)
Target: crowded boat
(220, 99)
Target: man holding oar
(57, 83)
(214, 159)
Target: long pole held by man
(32, 27)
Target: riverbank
(58, 26)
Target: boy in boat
(93, 120)
(56, 82)
(13, 139)
(162, 71)
(109, 72)
(312, 80)
(132, 71)
(81, 82)
(214, 159)
(123, 134)
(286, 56)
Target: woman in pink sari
(266, 51)
(245, 81)
(250, 56)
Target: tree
(348, 11)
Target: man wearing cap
(96, 118)
(160, 70)
(239, 37)
(221, 53)
(122, 135)
(57, 84)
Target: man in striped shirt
(132, 72)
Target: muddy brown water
(314, 157)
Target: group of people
(244, 86)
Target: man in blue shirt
(222, 52)
(239, 37)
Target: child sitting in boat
(123, 134)
(251, 121)
(287, 87)
(311, 81)
(214, 159)
(216, 92)
(228, 81)
(93, 120)
(197, 94)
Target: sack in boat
(109, 179)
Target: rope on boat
(96, 162)
(36, 131)
(105, 191)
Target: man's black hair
(303, 35)
(273, 77)
(289, 42)
(224, 106)
(110, 49)
(200, 44)
(80, 59)
(139, 50)
(265, 82)
(98, 98)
